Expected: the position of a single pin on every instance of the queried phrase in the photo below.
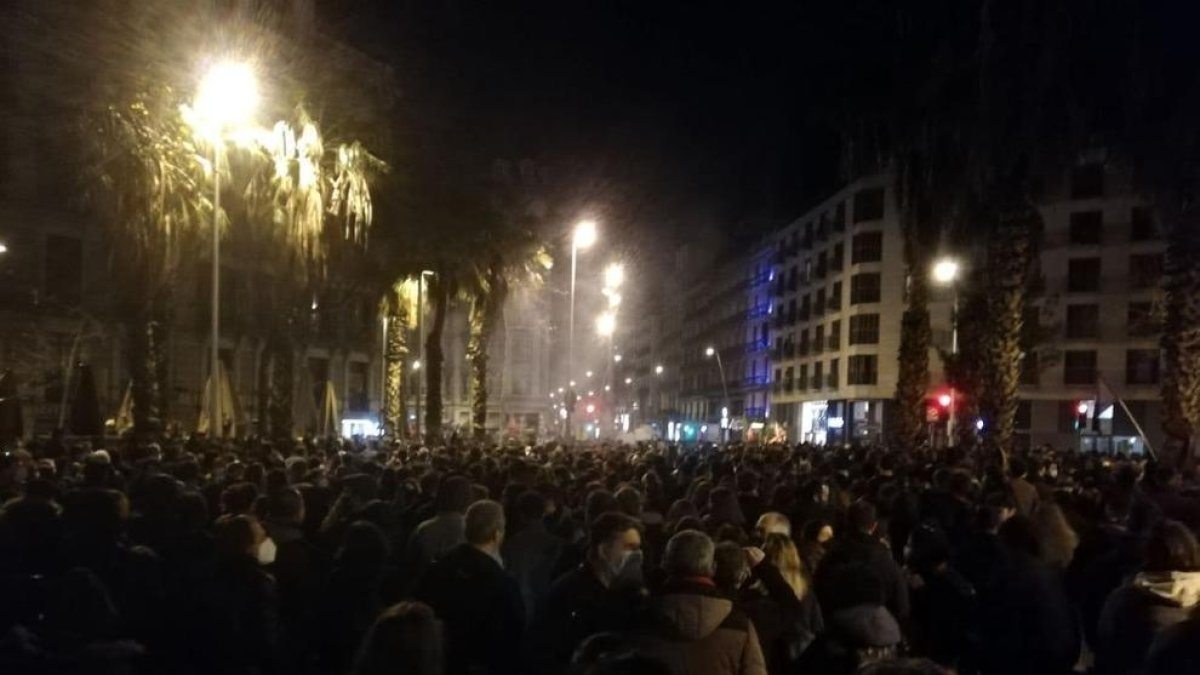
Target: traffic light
(944, 401)
(1080, 410)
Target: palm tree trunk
(434, 359)
(159, 329)
(396, 354)
(1011, 252)
(281, 359)
(477, 356)
(1180, 340)
(147, 420)
(912, 383)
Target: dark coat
(577, 606)
(1026, 623)
(694, 630)
(786, 625)
(943, 611)
(529, 557)
(1137, 612)
(232, 623)
(858, 548)
(482, 611)
(1176, 650)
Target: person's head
(286, 505)
(689, 554)
(928, 548)
(724, 507)
(1017, 467)
(997, 508)
(238, 536)
(613, 539)
(1019, 535)
(730, 567)
(1171, 547)
(365, 546)
(598, 502)
(454, 495)
(773, 522)
(861, 517)
(747, 482)
(903, 667)
(781, 552)
(630, 501)
(406, 638)
(485, 525)
(238, 499)
(531, 507)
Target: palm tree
(398, 306)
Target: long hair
(406, 638)
(1056, 536)
(782, 553)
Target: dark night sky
(694, 112)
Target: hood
(1178, 588)
(691, 613)
(866, 626)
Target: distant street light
(616, 358)
(658, 370)
(629, 380)
(710, 352)
(945, 273)
(3, 249)
(588, 374)
(416, 365)
(606, 324)
(614, 276)
(227, 98)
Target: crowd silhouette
(342, 557)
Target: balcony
(789, 387)
(831, 380)
(777, 387)
(789, 350)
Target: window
(835, 298)
(1030, 372)
(818, 339)
(819, 308)
(806, 308)
(833, 374)
(1141, 224)
(1087, 181)
(1086, 227)
(838, 257)
(864, 329)
(835, 336)
(789, 380)
(1140, 320)
(868, 205)
(804, 342)
(522, 347)
(1024, 416)
(862, 369)
(520, 383)
(1144, 271)
(822, 264)
(64, 269)
(866, 247)
(839, 217)
(1079, 367)
(803, 376)
(356, 394)
(1083, 322)
(1141, 366)
(818, 380)
(1083, 275)
(791, 313)
(864, 288)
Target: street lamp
(583, 237)
(416, 365)
(629, 380)
(945, 273)
(710, 352)
(606, 324)
(616, 358)
(227, 98)
(614, 276)
(3, 249)
(658, 370)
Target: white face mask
(266, 551)
(629, 566)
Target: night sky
(679, 114)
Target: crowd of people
(255, 557)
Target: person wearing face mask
(232, 623)
(602, 594)
(479, 602)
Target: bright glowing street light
(3, 249)
(416, 365)
(945, 271)
(658, 370)
(709, 351)
(606, 324)
(607, 388)
(614, 276)
(629, 380)
(561, 390)
(585, 234)
(616, 358)
(228, 96)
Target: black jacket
(481, 607)
(1026, 623)
(786, 625)
(858, 548)
(576, 607)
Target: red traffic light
(944, 400)
(1081, 408)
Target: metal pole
(951, 421)
(214, 410)
(420, 349)
(571, 341)
(725, 392)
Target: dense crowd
(249, 557)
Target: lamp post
(945, 273)
(583, 237)
(227, 97)
(710, 351)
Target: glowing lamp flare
(585, 234)
(606, 324)
(1082, 408)
(614, 276)
(945, 271)
(944, 400)
(228, 95)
